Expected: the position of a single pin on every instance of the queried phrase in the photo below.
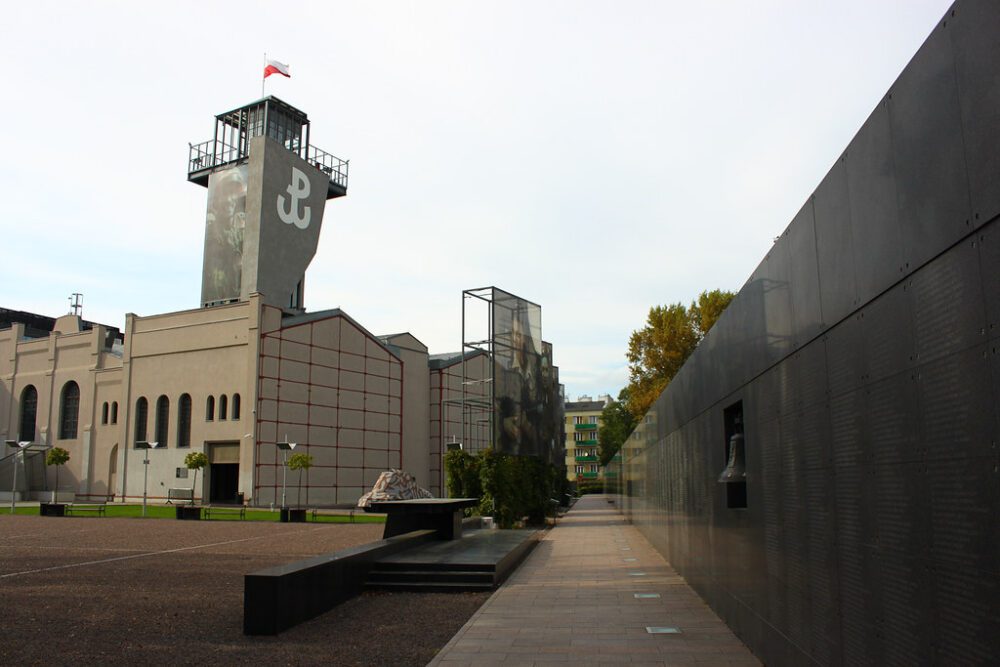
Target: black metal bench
(85, 508)
(241, 511)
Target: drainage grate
(662, 630)
(645, 596)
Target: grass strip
(115, 510)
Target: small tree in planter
(300, 462)
(195, 461)
(57, 456)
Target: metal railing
(329, 164)
(210, 154)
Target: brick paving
(573, 602)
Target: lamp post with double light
(21, 445)
(285, 447)
(145, 446)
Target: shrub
(462, 470)
(585, 486)
(508, 487)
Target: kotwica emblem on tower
(297, 190)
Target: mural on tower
(225, 225)
(262, 226)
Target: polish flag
(274, 67)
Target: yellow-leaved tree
(657, 351)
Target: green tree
(617, 422)
(300, 462)
(195, 461)
(57, 456)
(657, 351)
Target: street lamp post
(146, 446)
(21, 445)
(285, 447)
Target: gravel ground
(130, 591)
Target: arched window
(141, 416)
(184, 421)
(236, 406)
(210, 408)
(162, 420)
(222, 407)
(114, 412)
(29, 413)
(69, 411)
(104, 413)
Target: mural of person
(224, 229)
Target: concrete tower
(267, 188)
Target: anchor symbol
(297, 191)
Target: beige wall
(204, 352)
(333, 388)
(416, 385)
(49, 364)
(445, 414)
(359, 404)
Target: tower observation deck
(271, 117)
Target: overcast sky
(596, 158)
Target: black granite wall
(865, 350)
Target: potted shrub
(298, 462)
(57, 456)
(193, 461)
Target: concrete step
(430, 566)
(429, 576)
(430, 587)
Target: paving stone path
(586, 596)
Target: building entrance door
(224, 472)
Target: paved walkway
(573, 601)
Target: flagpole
(262, 77)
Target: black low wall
(863, 360)
(277, 598)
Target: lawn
(115, 510)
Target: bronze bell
(736, 469)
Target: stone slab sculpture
(394, 484)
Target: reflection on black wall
(865, 350)
(526, 391)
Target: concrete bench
(186, 495)
(279, 597)
(86, 508)
(241, 511)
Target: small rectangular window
(182, 473)
(735, 469)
